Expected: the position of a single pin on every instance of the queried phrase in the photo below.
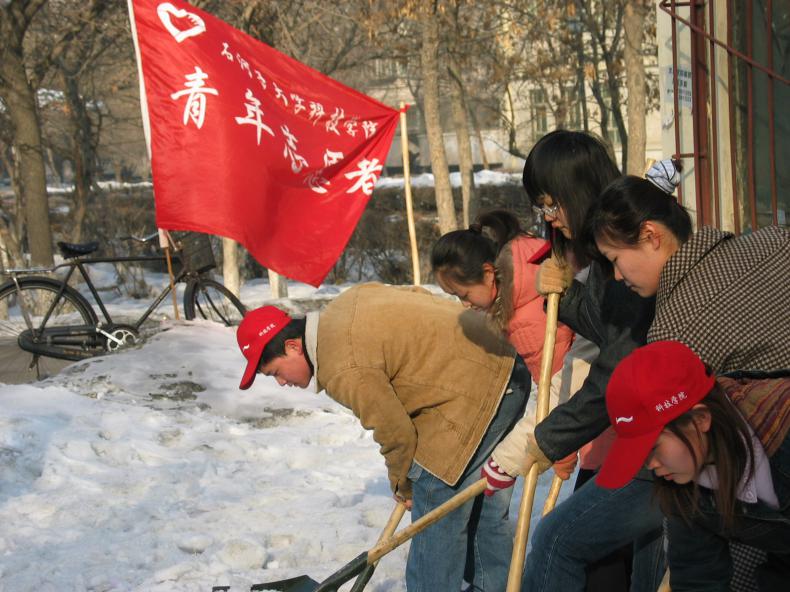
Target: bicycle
(48, 317)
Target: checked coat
(728, 299)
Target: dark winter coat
(616, 319)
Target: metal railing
(753, 84)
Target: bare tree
(464, 142)
(73, 72)
(429, 66)
(24, 62)
(465, 36)
(634, 23)
(19, 97)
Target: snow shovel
(531, 483)
(306, 584)
(389, 530)
(369, 558)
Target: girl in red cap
(721, 453)
(725, 296)
(491, 267)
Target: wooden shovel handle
(392, 523)
(389, 528)
(531, 482)
(554, 493)
(459, 499)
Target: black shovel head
(308, 584)
(298, 584)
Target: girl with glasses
(564, 175)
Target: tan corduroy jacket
(423, 373)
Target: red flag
(250, 144)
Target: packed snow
(148, 470)
(484, 177)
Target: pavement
(20, 367)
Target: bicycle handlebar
(140, 239)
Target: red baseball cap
(256, 330)
(649, 388)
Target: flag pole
(164, 237)
(404, 138)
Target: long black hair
(572, 168)
(729, 449)
(626, 204)
(460, 255)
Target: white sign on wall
(684, 86)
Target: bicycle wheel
(72, 316)
(208, 299)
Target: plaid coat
(728, 299)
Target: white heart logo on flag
(167, 10)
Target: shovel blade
(307, 584)
(297, 584)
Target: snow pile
(484, 177)
(149, 470)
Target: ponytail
(626, 204)
(461, 254)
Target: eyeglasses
(546, 210)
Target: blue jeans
(475, 540)
(589, 525)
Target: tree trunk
(230, 266)
(20, 100)
(512, 141)
(619, 120)
(480, 143)
(464, 141)
(634, 22)
(83, 154)
(10, 253)
(597, 90)
(278, 285)
(429, 59)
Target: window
(538, 113)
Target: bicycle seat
(71, 250)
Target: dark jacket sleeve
(573, 312)
(574, 423)
(699, 560)
(616, 320)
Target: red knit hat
(649, 388)
(256, 330)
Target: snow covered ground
(149, 470)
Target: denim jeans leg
(437, 554)
(649, 563)
(477, 536)
(491, 542)
(589, 525)
(491, 532)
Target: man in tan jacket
(439, 390)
